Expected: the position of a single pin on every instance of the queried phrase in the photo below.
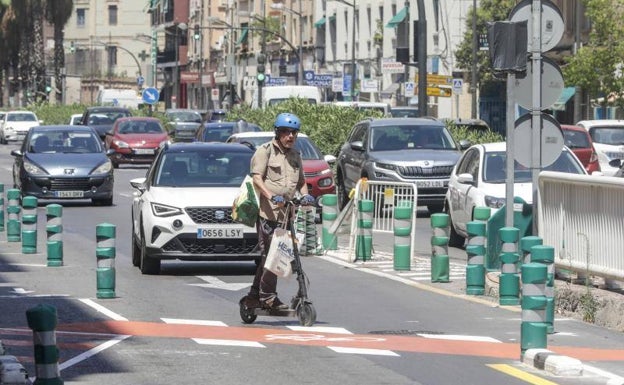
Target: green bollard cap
(439, 220)
(41, 318)
(329, 200)
(54, 210)
(475, 228)
(29, 202)
(534, 273)
(509, 234)
(402, 212)
(105, 230)
(481, 213)
(541, 253)
(366, 206)
(527, 242)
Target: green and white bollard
(440, 268)
(329, 215)
(402, 256)
(475, 250)
(54, 230)
(533, 329)
(364, 238)
(42, 320)
(29, 225)
(546, 256)
(526, 243)
(509, 281)
(105, 253)
(310, 230)
(14, 227)
(1, 206)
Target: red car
(578, 140)
(135, 140)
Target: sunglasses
(285, 131)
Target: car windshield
(217, 132)
(185, 116)
(613, 135)
(304, 145)
(102, 118)
(494, 169)
(64, 141)
(140, 127)
(410, 137)
(202, 168)
(21, 117)
(576, 139)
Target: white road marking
(216, 283)
(613, 378)
(192, 322)
(373, 352)
(250, 344)
(103, 310)
(319, 329)
(26, 264)
(19, 290)
(459, 337)
(92, 352)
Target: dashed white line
(250, 344)
(373, 352)
(193, 322)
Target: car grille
(69, 184)
(209, 246)
(425, 172)
(210, 214)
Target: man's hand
(307, 200)
(278, 200)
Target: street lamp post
(353, 5)
(176, 76)
(281, 7)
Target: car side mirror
(464, 144)
(139, 184)
(17, 153)
(465, 179)
(357, 145)
(615, 163)
(330, 159)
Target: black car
(64, 162)
(221, 131)
(101, 119)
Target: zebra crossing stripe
(248, 344)
(373, 352)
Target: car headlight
(33, 169)
(386, 166)
(494, 202)
(161, 210)
(121, 144)
(104, 168)
(325, 182)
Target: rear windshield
(613, 135)
(576, 139)
(217, 133)
(494, 167)
(410, 137)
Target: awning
(560, 104)
(243, 37)
(320, 22)
(332, 18)
(397, 19)
(389, 91)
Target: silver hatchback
(414, 150)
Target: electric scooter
(300, 305)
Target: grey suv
(417, 150)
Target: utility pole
(201, 56)
(353, 56)
(475, 49)
(262, 50)
(422, 59)
(407, 67)
(231, 53)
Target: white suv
(15, 125)
(608, 138)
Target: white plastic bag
(280, 254)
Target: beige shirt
(283, 175)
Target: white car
(478, 180)
(75, 119)
(15, 125)
(182, 208)
(608, 138)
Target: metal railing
(582, 217)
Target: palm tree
(58, 13)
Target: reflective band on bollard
(534, 329)
(546, 256)
(402, 256)
(329, 214)
(364, 238)
(42, 320)
(1, 207)
(54, 230)
(29, 225)
(509, 281)
(14, 227)
(105, 253)
(475, 250)
(440, 267)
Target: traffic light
(72, 47)
(196, 33)
(260, 76)
(48, 86)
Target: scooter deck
(275, 312)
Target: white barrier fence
(582, 217)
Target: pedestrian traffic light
(260, 76)
(196, 33)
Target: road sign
(551, 136)
(214, 95)
(437, 91)
(409, 89)
(392, 67)
(150, 95)
(438, 80)
(458, 86)
(140, 80)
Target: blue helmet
(287, 120)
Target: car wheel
(149, 266)
(341, 190)
(455, 240)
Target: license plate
(144, 151)
(69, 194)
(232, 233)
(430, 183)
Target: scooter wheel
(247, 315)
(306, 314)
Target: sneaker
(273, 303)
(251, 301)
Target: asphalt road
(374, 326)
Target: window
(112, 15)
(80, 18)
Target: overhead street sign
(438, 80)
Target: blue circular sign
(151, 95)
